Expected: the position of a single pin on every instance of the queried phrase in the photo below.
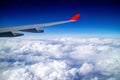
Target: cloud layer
(60, 59)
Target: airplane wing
(12, 31)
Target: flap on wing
(33, 30)
(10, 34)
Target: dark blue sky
(98, 17)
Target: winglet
(75, 17)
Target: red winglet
(76, 17)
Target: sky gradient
(98, 18)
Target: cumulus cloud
(60, 59)
(85, 69)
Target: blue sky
(98, 18)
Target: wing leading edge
(11, 31)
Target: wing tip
(75, 17)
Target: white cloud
(60, 58)
(86, 69)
